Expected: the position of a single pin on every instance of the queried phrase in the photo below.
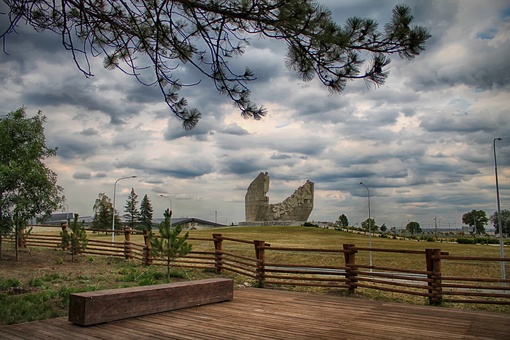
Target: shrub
(9, 283)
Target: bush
(5, 284)
(480, 240)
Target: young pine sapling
(169, 245)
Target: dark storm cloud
(310, 146)
(180, 168)
(242, 166)
(465, 124)
(281, 156)
(234, 129)
(138, 93)
(201, 132)
(90, 132)
(447, 200)
(477, 61)
(340, 174)
(82, 175)
(74, 146)
(86, 97)
(154, 181)
(335, 108)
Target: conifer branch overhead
(160, 36)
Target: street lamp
(114, 193)
(501, 250)
(171, 208)
(369, 225)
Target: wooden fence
(331, 268)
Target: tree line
(135, 217)
(477, 219)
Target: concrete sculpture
(296, 207)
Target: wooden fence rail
(269, 265)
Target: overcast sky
(422, 143)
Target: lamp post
(501, 250)
(369, 225)
(171, 208)
(113, 213)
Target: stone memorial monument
(295, 208)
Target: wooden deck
(272, 314)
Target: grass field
(38, 286)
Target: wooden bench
(115, 304)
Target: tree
(384, 227)
(413, 227)
(373, 226)
(343, 221)
(28, 189)
(505, 221)
(169, 244)
(132, 215)
(146, 214)
(76, 241)
(103, 213)
(477, 219)
(150, 40)
(393, 231)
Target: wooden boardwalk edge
(275, 314)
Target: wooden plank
(115, 304)
(275, 314)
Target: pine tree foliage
(76, 240)
(146, 213)
(162, 36)
(169, 244)
(132, 215)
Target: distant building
(190, 223)
(59, 218)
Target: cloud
(82, 175)
(422, 142)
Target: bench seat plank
(115, 304)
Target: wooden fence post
(350, 267)
(218, 252)
(433, 259)
(147, 257)
(127, 244)
(22, 240)
(261, 256)
(64, 230)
